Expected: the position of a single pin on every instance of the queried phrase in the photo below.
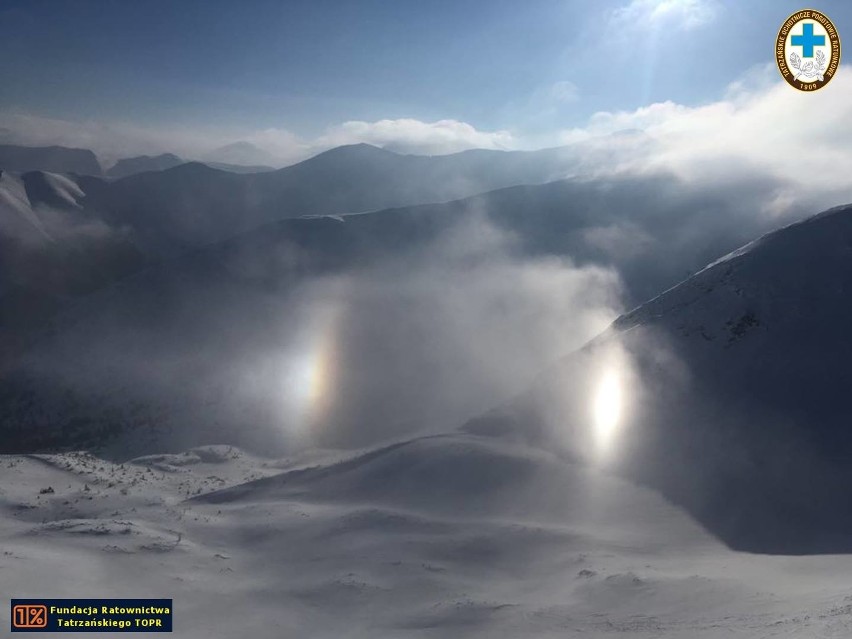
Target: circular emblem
(807, 50)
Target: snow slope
(734, 387)
(455, 535)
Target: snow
(736, 392)
(63, 189)
(465, 535)
(17, 218)
(454, 535)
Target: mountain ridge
(734, 383)
(54, 159)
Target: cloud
(621, 241)
(656, 14)
(540, 111)
(269, 146)
(114, 140)
(759, 127)
(564, 92)
(414, 136)
(394, 343)
(423, 340)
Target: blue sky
(529, 68)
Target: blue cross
(808, 40)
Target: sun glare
(607, 409)
(311, 374)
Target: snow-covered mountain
(732, 390)
(652, 230)
(189, 351)
(480, 533)
(194, 204)
(720, 401)
(194, 346)
(160, 213)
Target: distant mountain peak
(350, 153)
(359, 147)
(142, 164)
(242, 153)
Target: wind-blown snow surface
(446, 536)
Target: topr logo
(807, 50)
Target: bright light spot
(310, 373)
(607, 408)
(309, 380)
(306, 384)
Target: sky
(292, 78)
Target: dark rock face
(55, 159)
